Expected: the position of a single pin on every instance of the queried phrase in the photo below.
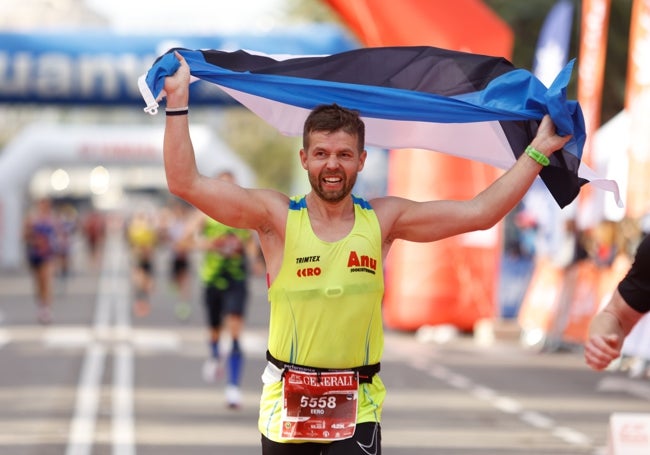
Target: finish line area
(100, 380)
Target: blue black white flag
(467, 105)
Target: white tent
(610, 150)
(40, 145)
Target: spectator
(142, 235)
(228, 255)
(39, 234)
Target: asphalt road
(100, 381)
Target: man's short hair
(331, 118)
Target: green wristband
(537, 156)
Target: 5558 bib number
(319, 406)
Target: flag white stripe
(480, 141)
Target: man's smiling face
(332, 163)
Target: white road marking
(503, 403)
(5, 337)
(78, 337)
(67, 337)
(122, 422)
(82, 430)
(484, 393)
(572, 436)
(156, 340)
(459, 381)
(537, 420)
(112, 302)
(507, 405)
(634, 387)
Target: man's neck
(327, 210)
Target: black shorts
(219, 303)
(180, 266)
(146, 265)
(366, 440)
(36, 262)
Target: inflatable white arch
(54, 144)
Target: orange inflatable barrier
(451, 281)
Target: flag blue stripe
(513, 96)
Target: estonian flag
(468, 105)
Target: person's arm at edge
(608, 330)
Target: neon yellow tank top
(326, 300)
(326, 308)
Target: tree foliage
(271, 155)
(526, 19)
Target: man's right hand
(177, 86)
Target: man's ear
(303, 158)
(362, 159)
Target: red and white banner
(637, 103)
(591, 65)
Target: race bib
(319, 406)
